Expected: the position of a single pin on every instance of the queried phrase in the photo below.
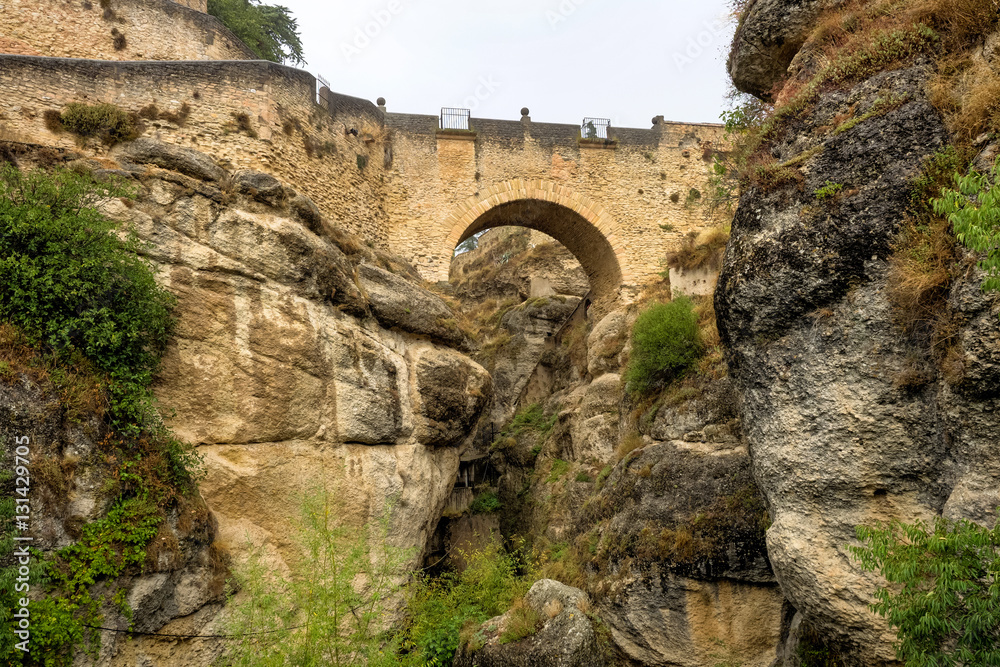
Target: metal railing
(595, 128)
(455, 119)
(320, 84)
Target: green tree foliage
(76, 282)
(745, 114)
(665, 341)
(974, 212)
(333, 608)
(944, 589)
(269, 30)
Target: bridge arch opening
(585, 235)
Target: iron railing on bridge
(321, 83)
(595, 128)
(455, 119)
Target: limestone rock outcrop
(69, 479)
(301, 360)
(529, 326)
(515, 262)
(842, 431)
(566, 637)
(683, 576)
(767, 39)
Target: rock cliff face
(300, 355)
(651, 509)
(839, 434)
(70, 475)
(302, 359)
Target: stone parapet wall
(440, 182)
(308, 146)
(125, 30)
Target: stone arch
(579, 223)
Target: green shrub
(943, 596)
(439, 609)
(107, 122)
(485, 503)
(974, 212)
(75, 281)
(664, 343)
(559, 468)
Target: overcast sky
(627, 60)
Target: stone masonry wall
(635, 183)
(306, 145)
(144, 30)
(200, 5)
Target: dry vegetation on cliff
(858, 39)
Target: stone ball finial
(524, 111)
(380, 101)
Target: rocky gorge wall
(302, 359)
(117, 30)
(850, 419)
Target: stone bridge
(397, 180)
(617, 204)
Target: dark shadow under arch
(587, 243)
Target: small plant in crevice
(698, 251)
(118, 39)
(531, 419)
(106, 122)
(362, 161)
(923, 257)
(829, 190)
(152, 112)
(53, 121)
(559, 468)
(522, 622)
(243, 123)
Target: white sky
(627, 60)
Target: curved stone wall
(245, 114)
(125, 30)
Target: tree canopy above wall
(269, 30)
